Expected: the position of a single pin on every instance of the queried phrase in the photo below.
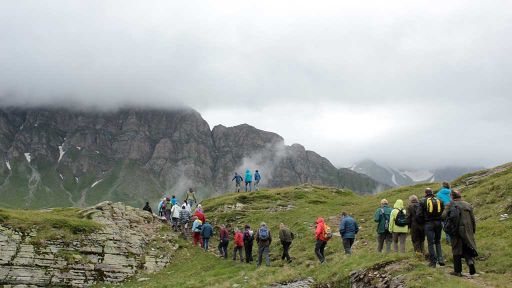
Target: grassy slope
(491, 197)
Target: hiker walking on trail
(257, 178)
(238, 181)
(444, 194)
(175, 216)
(174, 200)
(239, 244)
(382, 216)
(416, 229)
(461, 224)
(206, 233)
(248, 180)
(199, 213)
(348, 231)
(196, 231)
(184, 219)
(264, 239)
(431, 211)
(248, 241)
(160, 208)
(191, 197)
(286, 237)
(322, 235)
(167, 207)
(398, 225)
(147, 208)
(223, 242)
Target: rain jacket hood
(399, 204)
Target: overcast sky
(406, 83)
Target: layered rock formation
(131, 241)
(59, 157)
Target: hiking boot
(432, 265)
(441, 263)
(458, 274)
(472, 270)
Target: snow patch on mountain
(27, 156)
(61, 152)
(419, 175)
(95, 183)
(393, 179)
(8, 165)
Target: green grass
(58, 223)
(491, 197)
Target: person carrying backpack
(431, 211)
(416, 229)
(286, 237)
(257, 178)
(160, 208)
(191, 198)
(248, 241)
(264, 239)
(206, 233)
(398, 225)
(322, 235)
(196, 231)
(239, 244)
(444, 195)
(348, 231)
(238, 181)
(461, 223)
(167, 207)
(223, 242)
(248, 180)
(174, 200)
(382, 217)
(184, 219)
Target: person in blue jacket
(206, 233)
(348, 231)
(257, 178)
(444, 196)
(248, 180)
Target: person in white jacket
(175, 216)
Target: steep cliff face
(59, 157)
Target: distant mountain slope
(60, 157)
(403, 177)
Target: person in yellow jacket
(398, 225)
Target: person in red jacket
(239, 244)
(200, 214)
(321, 240)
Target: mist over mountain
(402, 177)
(61, 157)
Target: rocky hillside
(59, 157)
(68, 247)
(489, 191)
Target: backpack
(292, 235)
(248, 236)
(327, 232)
(401, 219)
(263, 233)
(433, 207)
(452, 222)
(386, 219)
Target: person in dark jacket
(238, 181)
(184, 219)
(264, 239)
(257, 179)
(248, 241)
(430, 213)
(206, 233)
(382, 216)
(463, 243)
(417, 229)
(223, 241)
(148, 208)
(285, 235)
(348, 231)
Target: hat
(429, 191)
(199, 206)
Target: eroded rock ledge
(132, 240)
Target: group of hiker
(247, 180)
(427, 218)
(422, 219)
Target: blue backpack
(263, 233)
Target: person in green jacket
(398, 225)
(382, 216)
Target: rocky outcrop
(59, 157)
(381, 275)
(131, 241)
